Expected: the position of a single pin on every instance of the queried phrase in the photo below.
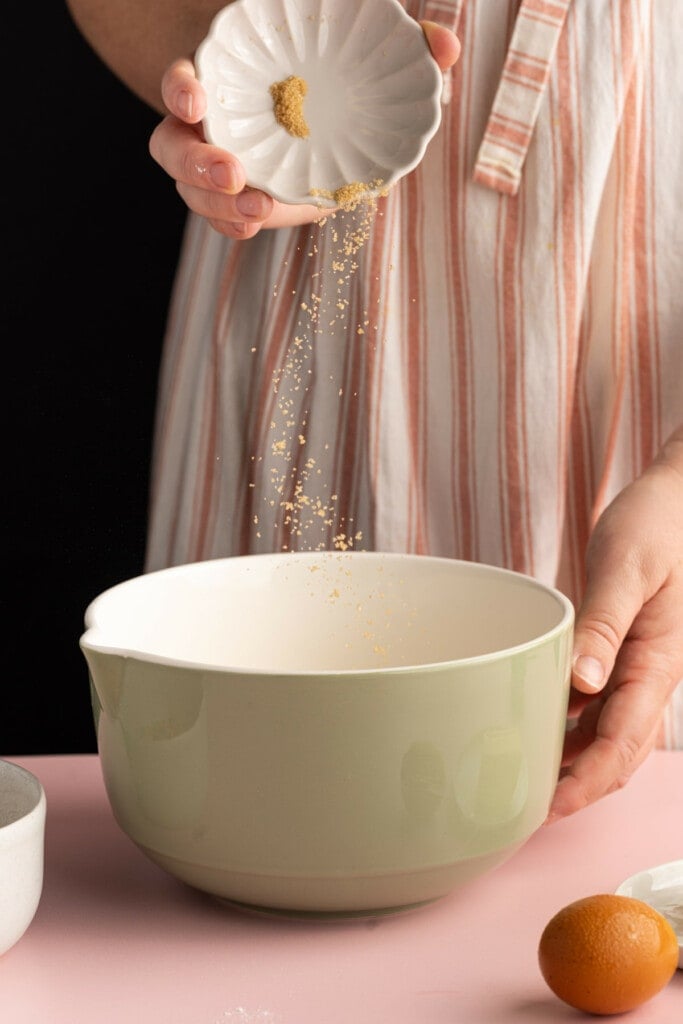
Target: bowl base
(331, 897)
(322, 915)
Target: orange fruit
(607, 954)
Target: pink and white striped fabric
(501, 356)
(520, 93)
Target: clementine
(607, 953)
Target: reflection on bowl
(326, 732)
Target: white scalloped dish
(372, 93)
(662, 888)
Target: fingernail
(185, 103)
(249, 204)
(224, 176)
(590, 670)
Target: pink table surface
(117, 940)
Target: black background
(92, 231)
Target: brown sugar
(288, 105)
(348, 197)
(300, 509)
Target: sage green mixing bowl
(329, 733)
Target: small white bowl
(662, 888)
(372, 100)
(22, 843)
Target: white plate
(372, 102)
(662, 888)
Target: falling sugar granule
(300, 510)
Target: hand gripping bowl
(329, 733)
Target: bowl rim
(88, 639)
(30, 786)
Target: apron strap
(520, 91)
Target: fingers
(182, 93)
(607, 762)
(212, 184)
(445, 46)
(239, 216)
(613, 597)
(210, 180)
(634, 552)
(181, 151)
(628, 644)
(616, 731)
(623, 571)
(286, 216)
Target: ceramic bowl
(372, 97)
(22, 834)
(662, 888)
(329, 733)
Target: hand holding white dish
(371, 103)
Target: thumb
(613, 598)
(445, 46)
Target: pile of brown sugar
(288, 105)
(348, 197)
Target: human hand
(628, 644)
(210, 180)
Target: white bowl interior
(20, 793)
(317, 612)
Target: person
(497, 374)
